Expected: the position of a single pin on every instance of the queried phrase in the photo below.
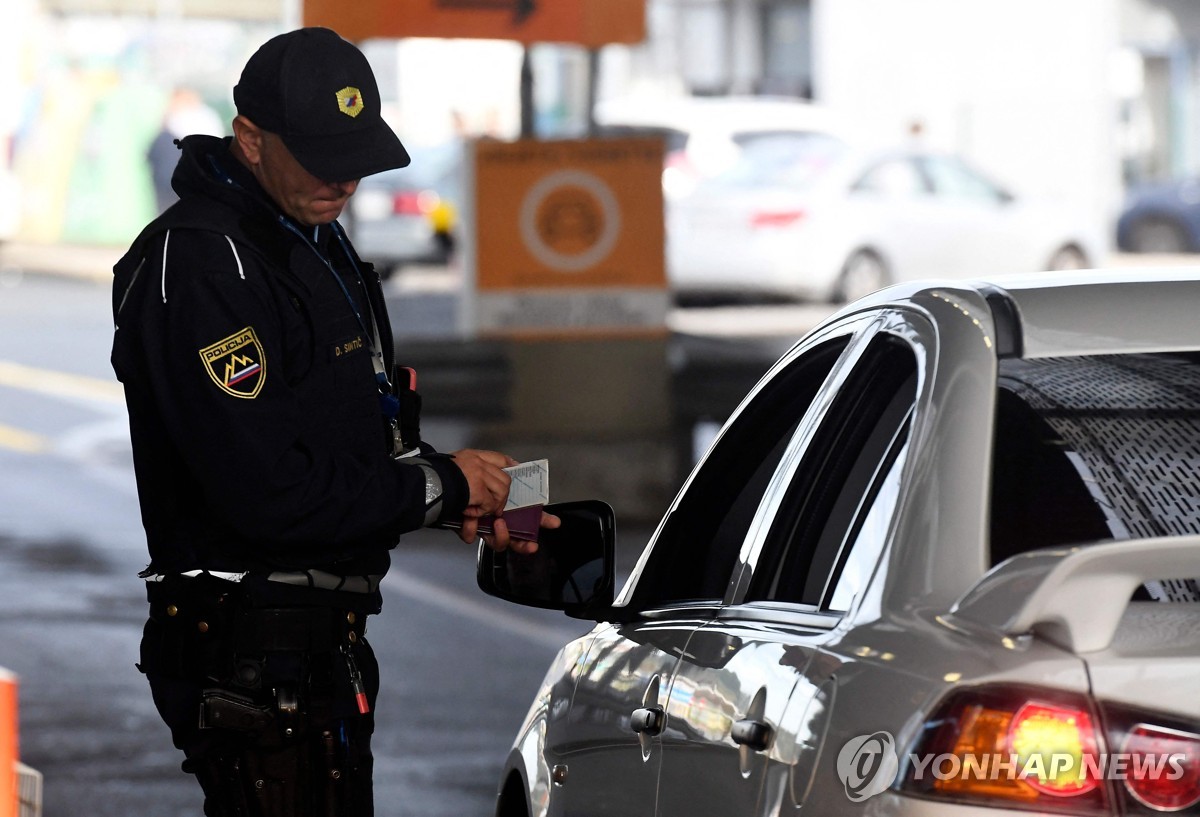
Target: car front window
(696, 551)
(860, 557)
(895, 177)
(950, 178)
(822, 544)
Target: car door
(612, 748)
(610, 733)
(751, 697)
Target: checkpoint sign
(568, 236)
(586, 22)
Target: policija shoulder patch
(237, 364)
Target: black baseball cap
(317, 92)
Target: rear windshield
(1095, 448)
(432, 166)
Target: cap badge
(350, 101)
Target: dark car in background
(410, 215)
(1161, 217)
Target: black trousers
(263, 701)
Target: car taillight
(776, 218)
(1050, 750)
(679, 175)
(414, 202)
(1063, 735)
(1013, 746)
(1164, 772)
(679, 160)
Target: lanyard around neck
(372, 334)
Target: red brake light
(406, 203)
(1034, 748)
(414, 202)
(679, 160)
(776, 218)
(1046, 750)
(1066, 741)
(1164, 771)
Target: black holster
(277, 734)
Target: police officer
(277, 457)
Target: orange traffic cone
(8, 744)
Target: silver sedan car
(941, 560)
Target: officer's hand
(487, 485)
(486, 479)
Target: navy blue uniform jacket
(258, 439)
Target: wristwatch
(433, 493)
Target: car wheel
(863, 273)
(1158, 235)
(1068, 257)
(445, 246)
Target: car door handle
(649, 720)
(752, 734)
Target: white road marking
(92, 391)
(60, 384)
(23, 441)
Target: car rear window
(432, 166)
(782, 159)
(1095, 448)
(673, 138)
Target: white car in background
(820, 220)
(705, 135)
(940, 561)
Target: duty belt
(300, 629)
(254, 630)
(317, 579)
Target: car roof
(1108, 312)
(1085, 312)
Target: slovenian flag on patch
(249, 371)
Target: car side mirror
(573, 569)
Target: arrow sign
(522, 9)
